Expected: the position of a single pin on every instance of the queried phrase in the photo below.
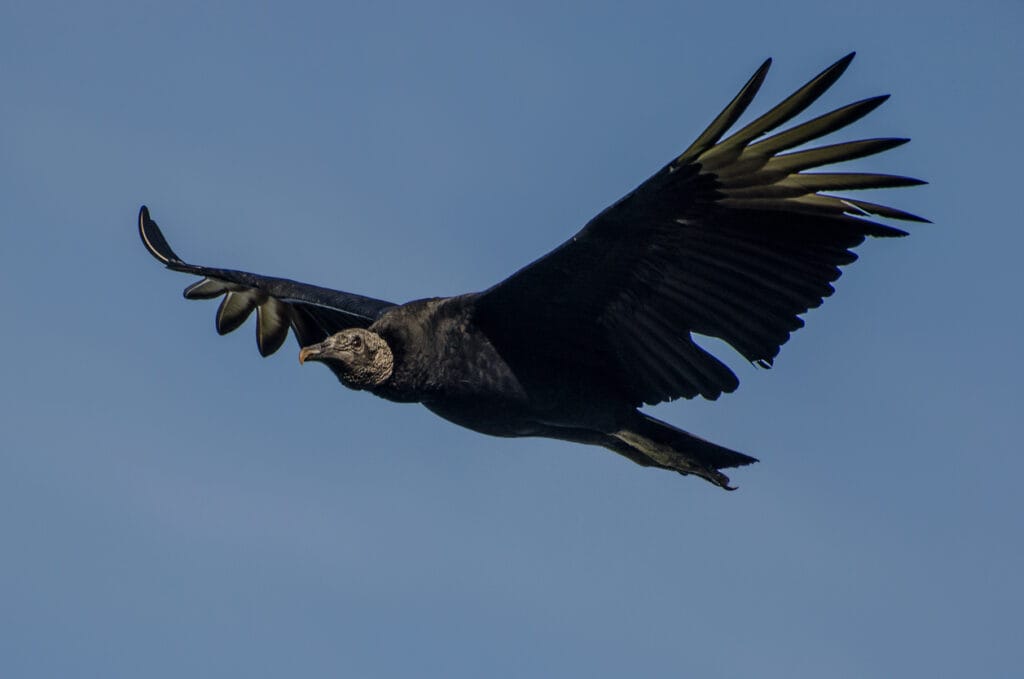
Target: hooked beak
(310, 353)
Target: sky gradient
(173, 505)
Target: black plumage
(732, 239)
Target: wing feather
(272, 323)
(790, 107)
(732, 239)
(234, 309)
(312, 312)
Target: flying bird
(732, 239)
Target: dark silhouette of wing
(312, 312)
(732, 239)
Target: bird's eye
(357, 342)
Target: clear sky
(173, 505)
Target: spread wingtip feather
(154, 239)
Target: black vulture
(732, 239)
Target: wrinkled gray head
(361, 359)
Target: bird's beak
(310, 353)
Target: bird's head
(361, 359)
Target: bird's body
(444, 360)
(731, 239)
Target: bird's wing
(312, 312)
(732, 239)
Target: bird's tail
(672, 448)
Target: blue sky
(173, 505)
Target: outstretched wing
(732, 239)
(312, 312)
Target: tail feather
(672, 448)
(707, 452)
